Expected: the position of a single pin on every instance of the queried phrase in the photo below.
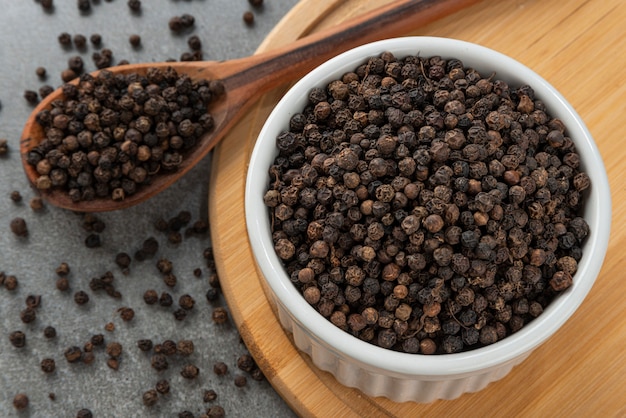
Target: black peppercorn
(220, 368)
(18, 227)
(17, 339)
(48, 365)
(73, 354)
(186, 302)
(84, 413)
(163, 386)
(134, 5)
(20, 401)
(194, 43)
(49, 332)
(144, 345)
(151, 297)
(95, 39)
(240, 381)
(189, 371)
(220, 315)
(248, 18)
(81, 297)
(134, 40)
(216, 411)
(209, 395)
(159, 362)
(127, 314)
(150, 397)
(28, 315)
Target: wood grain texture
(578, 46)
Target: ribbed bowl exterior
(376, 382)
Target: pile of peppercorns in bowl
(426, 212)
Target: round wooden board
(585, 381)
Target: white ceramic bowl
(414, 377)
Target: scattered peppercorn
(151, 297)
(216, 411)
(134, 5)
(256, 3)
(165, 299)
(16, 196)
(95, 39)
(65, 39)
(248, 18)
(209, 395)
(93, 241)
(189, 371)
(62, 284)
(159, 362)
(246, 363)
(63, 269)
(41, 72)
(31, 97)
(17, 339)
(47, 4)
(81, 297)
(163, 386)
(127, 314)
(144, 345)
(68, 75)
(211, 295)
(150, 397)
(113, 363)
(28, 315)
(220, 315)
(18, 227)
(49, 332)
(36, 204)
(240, 381)
(185, 347)
(180, 314)
(10, 282)
(76, 64)
(257, 374)
(194, 42)
(134, 40)
(73, 354)
(20, 401)
(45, 90)
(79, 41)
(33, 301)
(84, 5)
(186, 302)
(4, 147)
(48, 365)
(114, 349)
(84, 413)
(220, 368)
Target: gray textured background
(28, 39)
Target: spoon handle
(271, 69)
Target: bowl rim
(597, 213)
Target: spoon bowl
(245, 79)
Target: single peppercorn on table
(576, 45)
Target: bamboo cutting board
(578, 46)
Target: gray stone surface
(28, 39)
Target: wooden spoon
(245, 80)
